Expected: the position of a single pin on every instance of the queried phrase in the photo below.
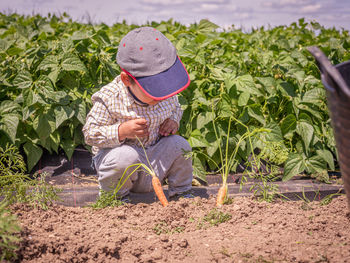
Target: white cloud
(184, 2)
(311, 8)
(285, 3)
(209, 7)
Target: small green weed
(216, 217)
(107, 199)
(328, 199)
(163, 228)
(8, 230)
(225, 252)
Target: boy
(141, 102)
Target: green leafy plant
(163, 228)
(216, 217)
(107, 199)
(17, 186)
(50, 67)
(8, 230)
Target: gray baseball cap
(150, 59)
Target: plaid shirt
(113, 105)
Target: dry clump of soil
(244, 231)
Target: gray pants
(166, 158)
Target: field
(188, 231)
(256, 105)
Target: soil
(283, 231)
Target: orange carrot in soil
(221, 195)
(157, 186)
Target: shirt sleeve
(100, 129)
(177, 113)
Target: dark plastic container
(336, 80)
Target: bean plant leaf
(23, 80)
(71, 62)
(8, 106)
(293, 166)
(204, 118)
(306, 131)
(205, 26)
(33, 153)
(314, 96)
(81, 112)
(63, 113)
(43, 125)
(8, 124)
(288, 125)
(315, 164)
(49, 62)
(328, 157)
(68, 146)
(246, 83)
(197, 140)
(255, 112)
(243, 98)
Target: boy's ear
(125, 78)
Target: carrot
(157, 186)
(221, 195)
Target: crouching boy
(141, 102)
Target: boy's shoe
(125, 199)
(187, 194)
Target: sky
(243, 14)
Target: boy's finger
(141, 133)
(141, 121)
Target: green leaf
(309, 108)
(33, 153)
(29, 97)
(246, 83)
(23, 80)
(42, 124)
(254, 111)
(314, 96)
(206, 26)
(203, 118)
(243, 98)
(197, 140)
(53, 75)
(288, 125)
(68, 146)
(13, 51)
(287, 89)
(316, 164)
(328, 157)
(71, 62)
(62, 113)
(275, 134)
(306, 131)
(268, 83)
(8, 106)
(50, 62)
(9, 124)
(80, 114)
(55, 139)
(293, 166)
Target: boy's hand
(168, 127)
(131, 129)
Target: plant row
(265, 78)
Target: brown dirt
(257, 232)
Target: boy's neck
(137, 100)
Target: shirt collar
(137, 101)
